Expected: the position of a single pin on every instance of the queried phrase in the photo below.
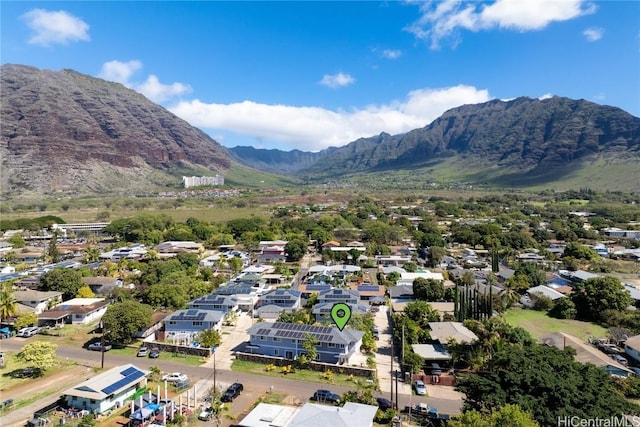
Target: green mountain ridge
(519, 143)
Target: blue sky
(310, 75)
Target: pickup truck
(422, 409)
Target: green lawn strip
(187, 359)
(539, 324)
(298, 374)
(12, 364)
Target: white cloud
(337, 80)
(391, 53)
(121, 72)
(118, 71)
(314, 128)
(439, 20)
(55, 27)
(545, 96)
(593, 34)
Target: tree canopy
(123, 319)
(38, 354)
(65, 280)
(545, 382)
(593, 297)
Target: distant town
(149, 321)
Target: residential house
(551, 293)
(322, 312)
(307, 289)
(369, 293)
(107, 390)
(40, 301)
(339, 295)
(408, 278)
(401, 292)
(577, 276)
(351, 415)
(74, 311)
(621, 234)
(445, 331)
(586, 353)
(102, 285)
(285, 340)
(432, 353)
(185, 325)
(310, 414)
(7, 269)
(632, 347)
(172, 248)
(215, 302)
(392, 260)
(272, 304)
(288, 299)
(132, 252)
(272, 252)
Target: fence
(314, 366)
(181, 349)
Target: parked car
(326, 396)
(154, 353)
(385, 404)
(206, 414)
(420, 388)
(143, 352)
(29, 372)
(175, 377)
(620, 359)
(436, 369)
(422, 409)
(232, 392)
(376, 333)
(98, 346)
(28, 332)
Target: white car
(175, 377)
(420, 388)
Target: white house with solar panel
(285, 340)
(107, 390)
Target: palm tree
(8, 303)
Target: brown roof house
(77, 310)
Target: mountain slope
(69, 132)
(523, 136)
(276, 161)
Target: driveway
(383, 355)
(232, 337)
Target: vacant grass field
(539, 324)
(13, 366)
(187, 359)
(299, 374)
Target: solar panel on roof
(368, 288)
(128, 371)
(122, 382)
(191, 312)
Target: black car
(232, 392)
(326, 396)
(154, 353)
(384, 404)
(29, 372)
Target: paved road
(255, 385)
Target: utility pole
(397, 388)
(102, 345)
(402, 358)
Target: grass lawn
(187, 359)
(13, 366)
(539, 324)
(298, 374)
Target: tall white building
(197, 181)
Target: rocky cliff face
(63, 131)
(522, 134)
